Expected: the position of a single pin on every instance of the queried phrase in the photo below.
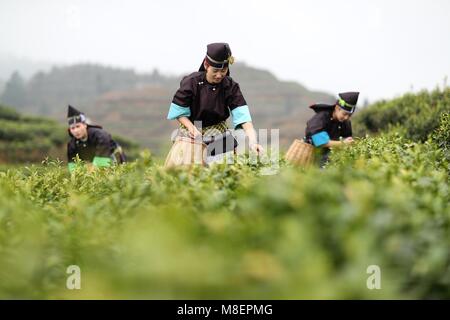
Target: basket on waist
(185, 152)
(300, 153)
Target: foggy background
(381, 48)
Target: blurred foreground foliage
(227, 231)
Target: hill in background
(29, 139)
(136, 105)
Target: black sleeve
(235, 97)
(185, 94)
(71, 151)
(347, 132)
(317, 123)
(102, 143)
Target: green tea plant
(418, 114)
(228, 231)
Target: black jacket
(98, 144)
(322, 121)
(208, 103)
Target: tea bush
(418, 114)
(228, 231)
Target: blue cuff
(240, 115)
(177, 111)
(320, 138)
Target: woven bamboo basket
(185, 152)
(300, 153)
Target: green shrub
(418, 114)
(139, 231)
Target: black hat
(322, 107)
(75, 116)
(347, 101)
(218, 55)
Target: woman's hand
(338, 143)
(251, 134)
(348, 140)
(256, 148)
(194, 132)
(90, 168)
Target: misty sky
(381, 48)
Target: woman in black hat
(90, 142)
(208, 97)
(331, 126)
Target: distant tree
(15, 92)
